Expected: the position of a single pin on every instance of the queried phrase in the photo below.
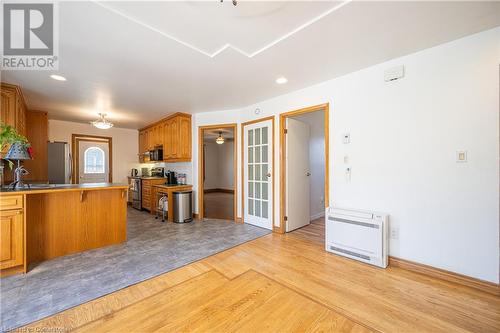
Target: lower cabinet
(11, 238)
(148, 195)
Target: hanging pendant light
(102, 123)
(220, 139)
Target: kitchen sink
(41, 186)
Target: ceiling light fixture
(58, 77)
(281, 80)
(102, 123)
(220, 139)
(234, 2)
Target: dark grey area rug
(153, 248)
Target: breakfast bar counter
(48, 221)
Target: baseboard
(445, 275)
(196, 216)
(11, 271)
(317, 216)
(218, 190)
(238, 220)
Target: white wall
(215, 118)
(211, 165)
(404, 136)
(125, 143)
(226, 168)
(316, 122)
(219, 172)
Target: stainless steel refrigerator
(60, 163)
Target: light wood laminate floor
(282, 283)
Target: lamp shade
(18, 151)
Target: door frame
(201, 167)
(75, 151)
(283, 116)
(251, 122)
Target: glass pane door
(258, 182)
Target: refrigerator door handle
(70, 168)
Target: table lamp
(18, 151)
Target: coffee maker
(171, 177)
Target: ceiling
(139, 61)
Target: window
(94, 160)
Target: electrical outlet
(394, 233)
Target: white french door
(257, 161)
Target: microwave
(156, 154)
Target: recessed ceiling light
(58, 77)
(281, 80)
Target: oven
(135, 190)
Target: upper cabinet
(13, 107)
(13, 110)
(173, 133)
(33, 125)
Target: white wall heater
(359, 235)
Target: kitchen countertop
(172, 185)
(147, 177)
(47, 188)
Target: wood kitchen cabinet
(12, 233)
(158, 135)
(12, 238)
(173, 133)
(185, 140)
(148, 197)
(142, 146)
(13, 110)
(37, 125)
(174, 138)
(41, 224)
(13, 113)
(169, 190)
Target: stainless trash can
(183, 206)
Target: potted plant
(8, 137)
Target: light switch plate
(346, 138)
(461, 156)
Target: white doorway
(93, 159)
(304, 166)
(258, 182)
(217, 171)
